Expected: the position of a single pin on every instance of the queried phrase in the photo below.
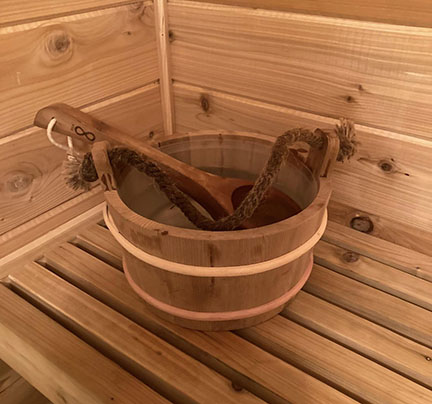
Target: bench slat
(41, 350)
(247, 365)
(158, 364)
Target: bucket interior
(224, 155)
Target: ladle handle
(79, 125)
(321, 161)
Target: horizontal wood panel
(25, 240)
(78, 59)
(388, 311)
(414, 12)
(31, 182)
(395, 255)
(377, 74)
(21, 10)
(389, 173)
(373, 273)
(371, 340)
(384, 227)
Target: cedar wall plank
(380, 75)
(380, 250)
(413, 12)
(384, 227)
(389, 173)
(30, 167)
(77, 59)
(13, 11)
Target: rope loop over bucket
(82, 173)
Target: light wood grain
(391, 312)
(386, 228)
(13, 12)
(15, 390)
(31, 183)
(99, 242)
(376, 274)
(364, 380)
(403, 258)
(248, 366)
(406, 179)
(62, 230)
(416, 12)
(164, 54)
(158, 364)
(376, 74)
(40, 350)
(365, 337)
(74, 60)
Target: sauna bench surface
(359, 331)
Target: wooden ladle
(218, 195)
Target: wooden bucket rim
(113, 199)
(220, 271)
(324, 190)
(210, 132)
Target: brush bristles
(71, 171)
(347, 136)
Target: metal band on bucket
(220, 316)
(194, 270)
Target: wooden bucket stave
(218, 280)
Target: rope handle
(321, 160)
(69, 148)
(325, 149)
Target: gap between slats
(309, 370)
(237, 360)
(165, 369)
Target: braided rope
(80, 174)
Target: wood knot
(349, 99)
(350, 257)
(136, 6)
(387, 166)
(18, 183)
(205, 103)
(362, 223)
(236, 387)
(58, 46)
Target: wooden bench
(360, 331)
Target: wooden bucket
(220, 280)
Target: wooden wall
(299, 63)
(99, 55)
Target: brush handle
(194, 182)
(79, 125)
